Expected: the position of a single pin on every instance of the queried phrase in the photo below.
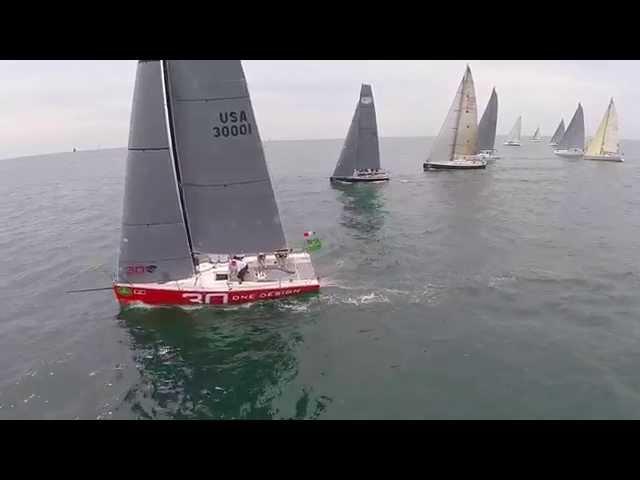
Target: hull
(456, 165)
(216, 284)
(553, 144)
(605, 158)
(573, 153)
(131, 294)
(361, 179)
(512, 144)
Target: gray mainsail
(226, 189)
(361, 148)
(574, 136)
(557, 136)
(487, 126)
(154, 245)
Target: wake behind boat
(605, 145)
(200, 223)
(513, 140)
(456, 147)
(572, 143)
(359, 159)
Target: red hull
(127, 295)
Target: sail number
(232, 124)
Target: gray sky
(52, 106)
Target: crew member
(241, 267)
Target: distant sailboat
(487, 129)
(200, 223)
(536, 136)
(605, 145)
(360, 156)
(513, 140)
(456, 146)
(572, 143)
(557, 136)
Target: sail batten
(361, 149)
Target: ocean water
(507, 293)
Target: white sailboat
(200, 222)
(536, 136)
(572, 143)
(456, 146)
(513, 140)
(605, 145)
(360, 156)
(558, 134)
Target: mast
(173, 153)
(606, 125)
(459, 113)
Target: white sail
(516, 131)
(536, 135)
(467, 137)
(458, 137)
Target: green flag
(312, 243)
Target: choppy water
(504, 293)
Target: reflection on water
(219, 364)
(362, 208)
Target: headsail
(516, 131)
(574, 136)
(458, 137)
(606, 138)
(487, 126)
(361, 147)
(228, 198)
(154, 245)
(559, 133)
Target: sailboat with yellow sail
(605, 145)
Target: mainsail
(516, 131)
(361, 148)
(559, 133)
(606, 138)
(536, 135)
(487, 125)
(574, 136)
(458, 137)
(154, 244)
(222, 174)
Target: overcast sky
(53, 106)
